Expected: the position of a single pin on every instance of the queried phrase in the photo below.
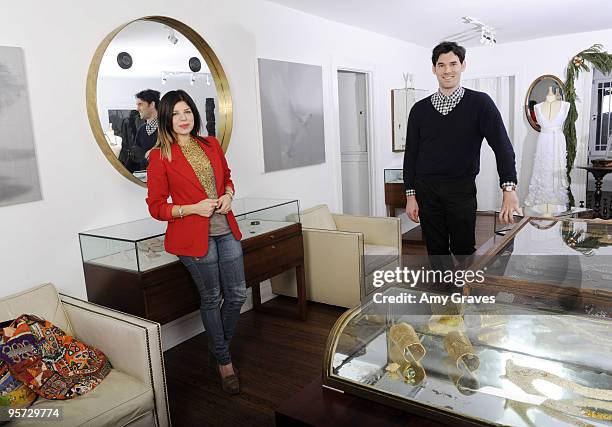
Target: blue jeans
(221, 270)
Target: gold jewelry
(404, 339)
(524, 377)
(443, 324)
(465, 381)
(521, 409)
(180, 211)
(460, 349)
(404, 349)
(595, 409)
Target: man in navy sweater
(146, 135)
(442, 157)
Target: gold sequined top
(200, 163)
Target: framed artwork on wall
(291, 98)
(19, 179)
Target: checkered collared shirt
(151, 126)
(445, 104)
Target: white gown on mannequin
(549, 180)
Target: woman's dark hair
(445, 47)
(149, 95)
(165, 135)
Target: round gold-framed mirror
(154, 53)
(537, 92)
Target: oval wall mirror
(159, 54)
(537, 93)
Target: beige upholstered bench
(134, 392)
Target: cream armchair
(341, 252)
(134, 392)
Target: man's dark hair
(149, 95)
(445, 47)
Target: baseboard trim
(190, 325)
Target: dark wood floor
(277, 356)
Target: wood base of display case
(316, 405)
(167, 293)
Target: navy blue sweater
(444, 148)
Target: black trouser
(447, 211)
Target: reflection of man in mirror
(442, 157)
(146, 135)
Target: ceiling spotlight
(172, 37)
(477, 29)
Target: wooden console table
(598, 173)
(395, 197)
(167, 292)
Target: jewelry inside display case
(474, 364)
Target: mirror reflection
(402, 101)
(546, 88)
(142, 62)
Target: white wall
(528, 60)
(81, 190)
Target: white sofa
(340, 254)
(134, 392)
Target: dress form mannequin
(548, 188)
(113, 140)
(551, 106)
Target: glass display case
(257, 216)
(473, 364)
(561, 264)
(126, 267)
(394, 176)
(135, 246)
(139, 245)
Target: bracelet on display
(460, 349)
(464, 379)
(443, 324)
(404, 339)
(404, 351)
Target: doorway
(354, 142)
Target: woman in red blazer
(202, 230)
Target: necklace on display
(524, 377)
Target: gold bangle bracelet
(460, 349)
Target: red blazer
(189, 235)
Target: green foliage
(600, 60)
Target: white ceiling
(427, 22)
(147, 43)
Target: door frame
(369, 134)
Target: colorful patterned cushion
(13, 392)
(52, 364)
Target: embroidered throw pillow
(52, 364)
(13, 393)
